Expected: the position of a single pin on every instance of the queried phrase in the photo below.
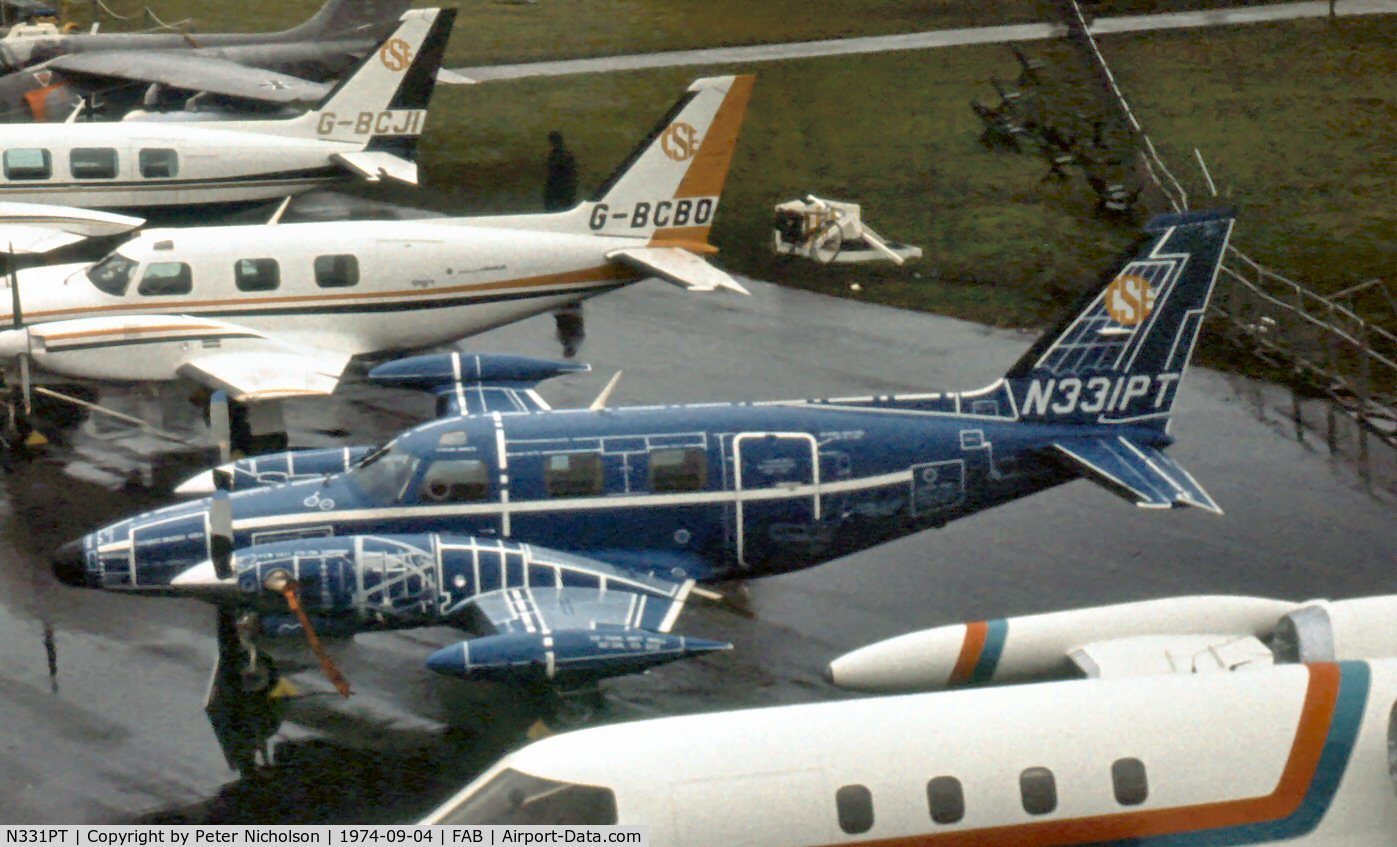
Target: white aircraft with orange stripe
(277, 310)
(1205, 721)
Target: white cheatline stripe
(581, 504)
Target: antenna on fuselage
(605, 395)
(280, 210)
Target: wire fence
(151, 22)
(1320, 345)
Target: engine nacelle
(566, 657)
(1038, 647)
(1338, 631)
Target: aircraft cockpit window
(385, 475)
(166, 278)
(336, 271)
(454, 481)
(112, 275)
(28, 163)
(854, 803)
(1038, 790)
(678, 469)
(92, 163)
(158, 163)
(257, 274)
(573, 475)
(518, 798)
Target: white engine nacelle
(1337, 631)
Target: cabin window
(257, 274)
(166, 278)
(92, 163)
(855, 806)
(336, 271)
(946, 799)
(1392, 744)
(678, 469)
(28, 163)
(158, 163)
(455, 481)
(517, 798)
(1038, 788)
(112, 275)
(573, 475)
(1131, 783)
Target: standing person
(560, 190)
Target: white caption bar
(359, 836)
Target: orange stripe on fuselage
(135, 330)
(1316, 715)
(970, 650)
(597, 274)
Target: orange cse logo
(1129, 299)
(680, 141)
(395, 54)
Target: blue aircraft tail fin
(1119, 356)
(1140, 473)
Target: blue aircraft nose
(69, 563)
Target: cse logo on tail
(1129, 299)
(396, 54)
(680, 141)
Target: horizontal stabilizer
(36, 228)
(677, 265)
(375, 165)
(1141, 474)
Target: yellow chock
(538, 730)
(35, 439)
(283, 690)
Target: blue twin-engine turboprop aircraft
(624, 510)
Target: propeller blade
(25, 385)
(221, 534)
(16, 314)
(221, 427)
(289, 589)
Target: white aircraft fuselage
(352, 287)
(1295, 754)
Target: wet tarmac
(101, 697)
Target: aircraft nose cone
(69, 564)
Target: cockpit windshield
(384, 474)
(112, 275)
(513, 797)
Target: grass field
(1305, 155)
(493, 32)
(1295, 119)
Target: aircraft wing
(677, 265)
(374, 165)
(181, 69)
(575, 633)
(268, 375)
(35, 228)
(1139, 473)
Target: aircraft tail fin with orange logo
(1119, 355)
(666, 193)
(381, 105)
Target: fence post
(1364, 391)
